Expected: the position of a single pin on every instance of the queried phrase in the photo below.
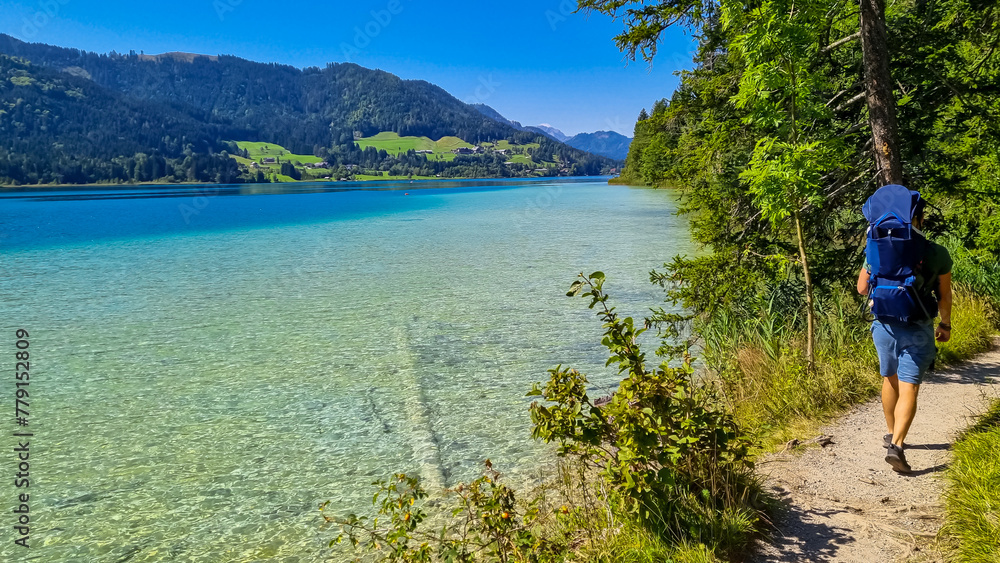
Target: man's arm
(944, 306)
(864, 276)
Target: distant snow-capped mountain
(604, 143)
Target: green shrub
(486, 523)
(664, 443)
(974, 320)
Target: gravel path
(844, 501)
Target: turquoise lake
(209, 364)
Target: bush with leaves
(664, 441)
(487, 523)
(671, 457)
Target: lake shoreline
(6, 187)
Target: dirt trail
(844, 501)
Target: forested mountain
(56, 127)
(208, 99)
(605, 143)
(497, 116)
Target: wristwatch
(944, 326)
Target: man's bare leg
(890, 394)
(906, 408)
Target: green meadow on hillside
(393, 144)
(517, 153)
(272, 150)
(258, 151)
(252, 156)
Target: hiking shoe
(894, 456)
(887, 439)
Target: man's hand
(942, 335)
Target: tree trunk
(810, 307)
(878, 92)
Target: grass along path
(844, 502)
(973, 496)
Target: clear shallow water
(210, 364)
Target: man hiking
(907, 279)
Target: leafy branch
(663, 441)
(487, 523)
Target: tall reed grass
(757, 358)
(978, 272)
(601, 530)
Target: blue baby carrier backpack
(895, 252)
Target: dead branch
(839, 42)
(850, 102)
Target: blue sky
(534, 61)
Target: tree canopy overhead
(777, 118)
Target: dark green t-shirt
(937, 262)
